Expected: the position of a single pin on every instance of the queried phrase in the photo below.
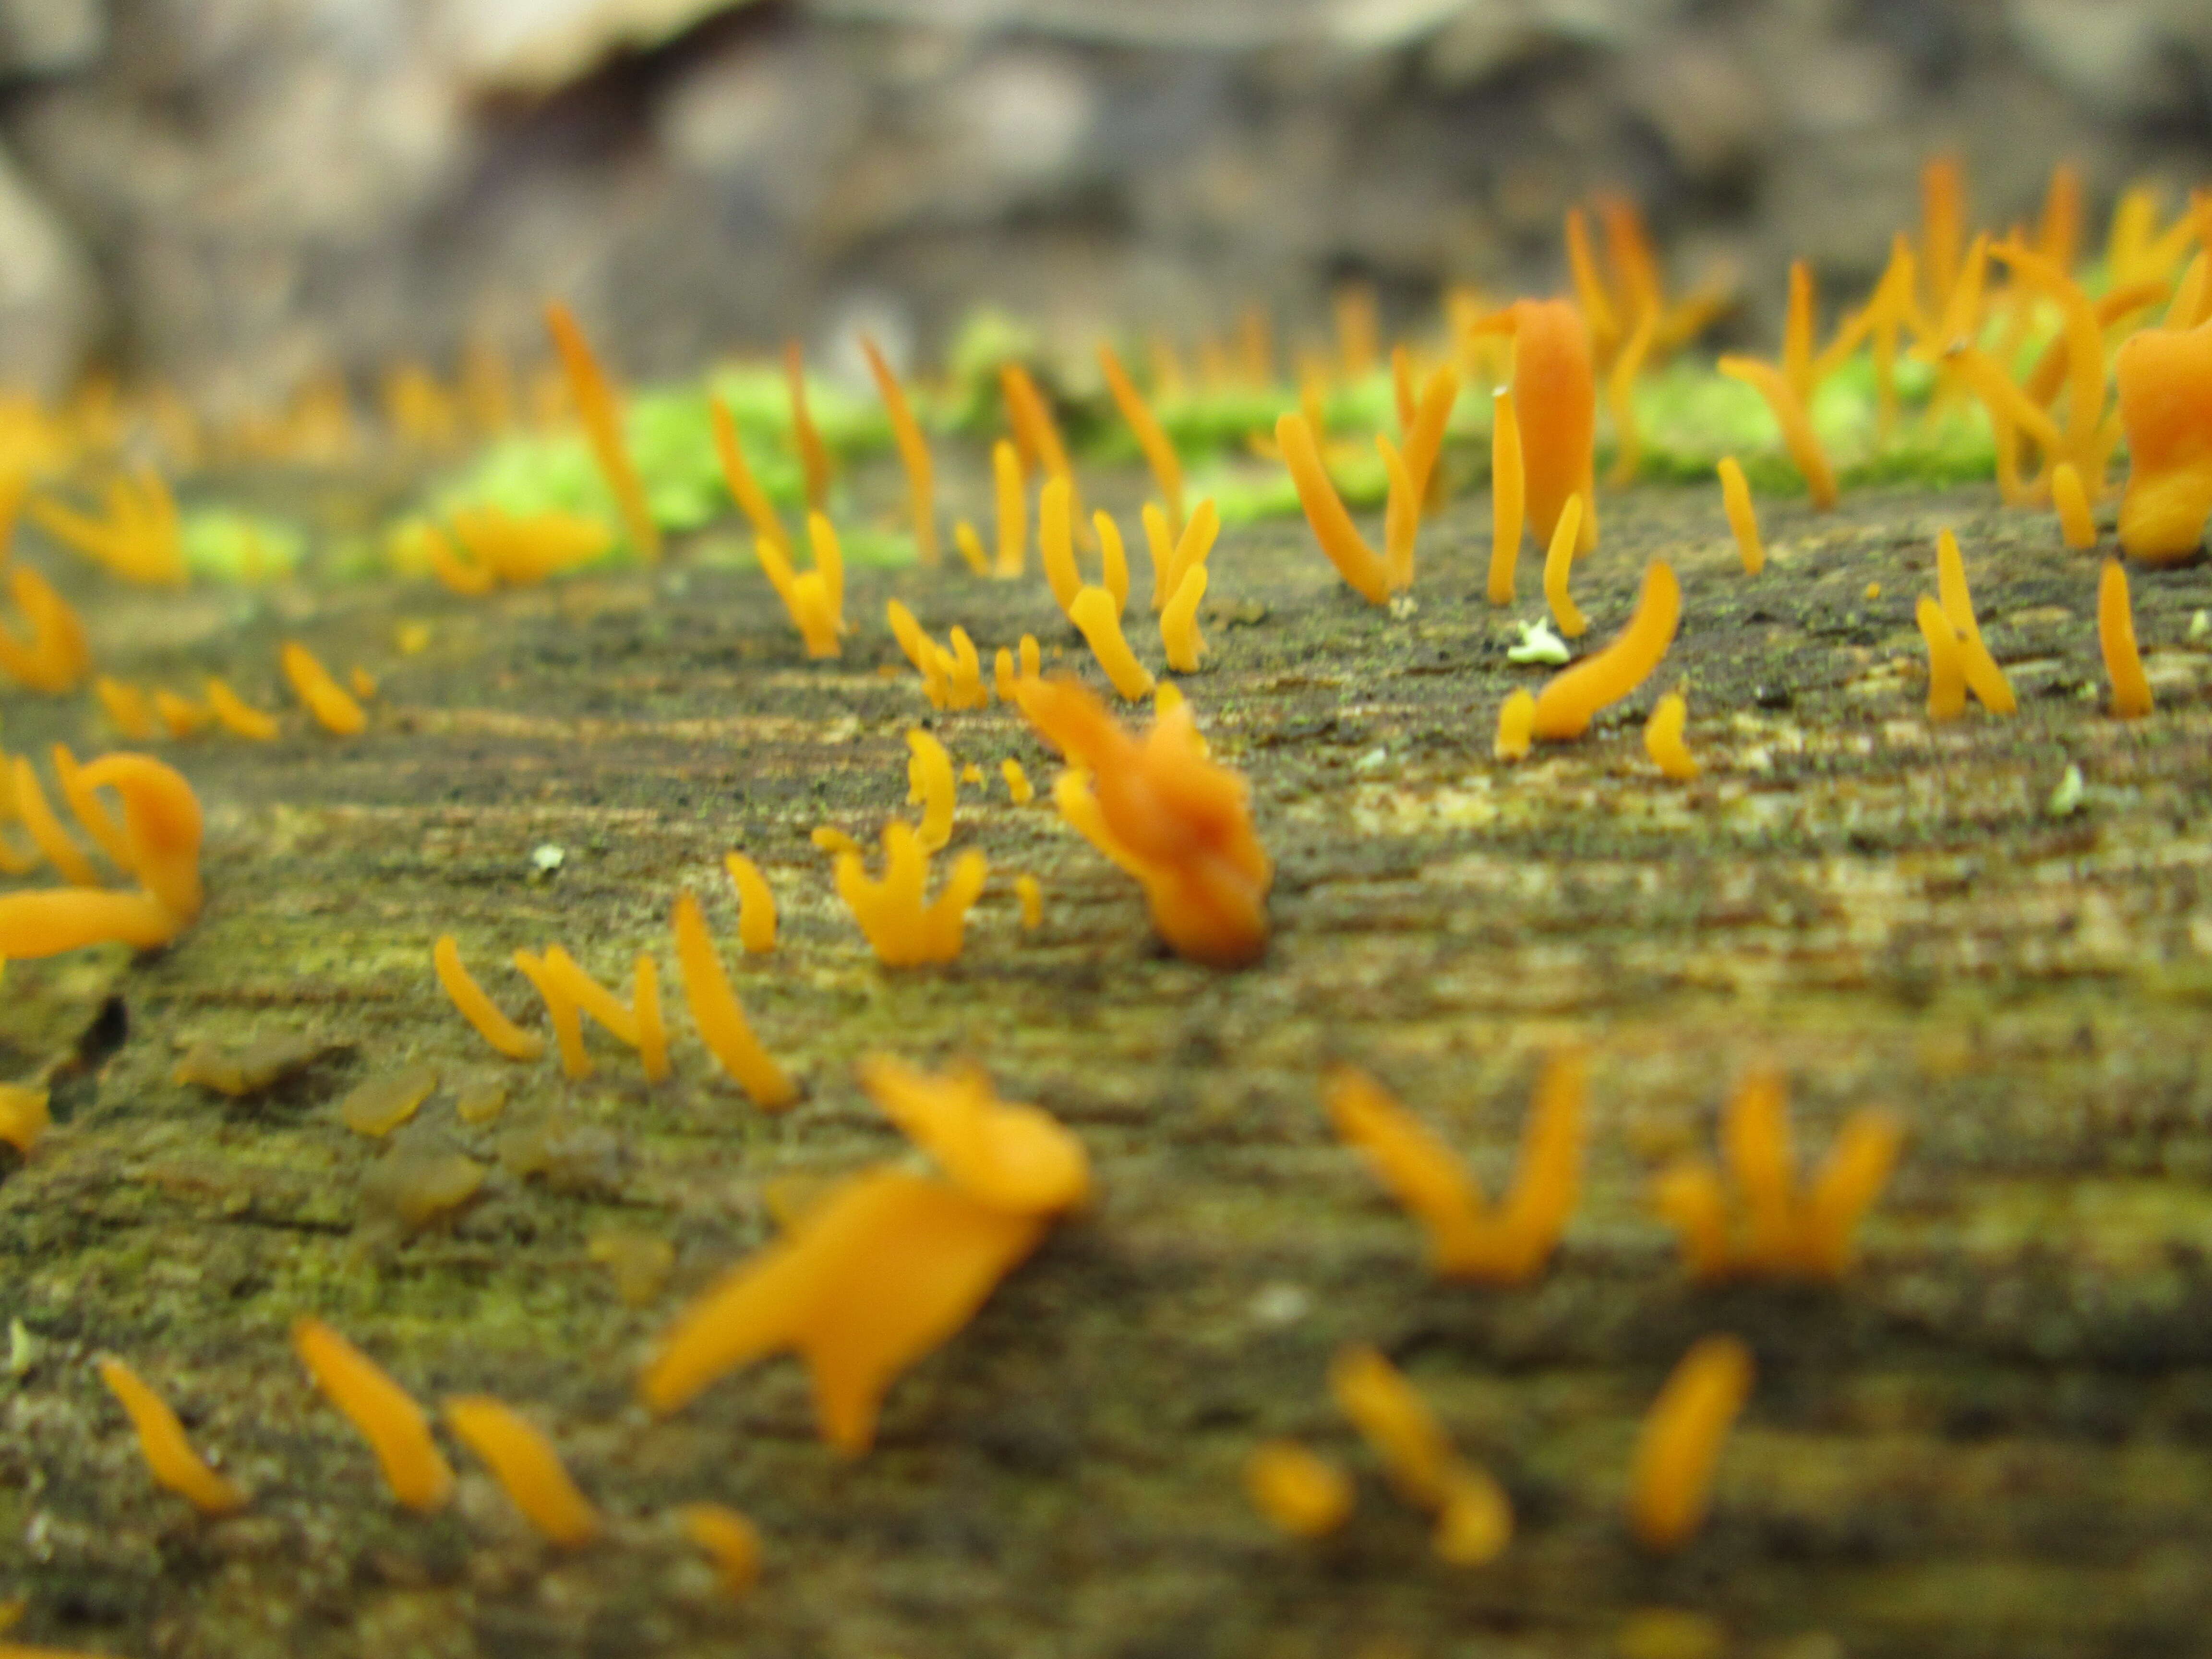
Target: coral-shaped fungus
(2165, 378)
(1007, 1155)
(1768, 1226)
(1468, 1237)
(814, 598)
(882, 1269)
(1678, 1450)
(139, 538)
(951, 678)
(1742, 517)
(1983, 677)
(1168, 816)
(905, 931)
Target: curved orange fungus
(720, 1018)
(2116, 640)
(1569, 700)
(394, 1425)
(331, 704)
(815, 598)
(2165, 379)
(161, 828)
(496, 1029)
(1466, 1238)
(526, 1464)
(873, 1276)
(162, 1438)
(1680, 1447)
(57, 657)
(1006, 1156)
(1155, 805)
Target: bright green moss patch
(223, 544)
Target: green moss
(221, 544)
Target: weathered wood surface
(1996, 1437)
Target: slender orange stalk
(602, 415)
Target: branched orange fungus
(1303, 1494)
(721, 1022)
(1474, 1517)
(950, 678)
(1180, 639)
(2165, 378)
(814, 457)
(727, 1536)
(161, 1439)
(2116, 640)
(1983, 677)
(161, 828)
(330, 703)
(869, 1278)
(1678, 1450)
(1508, 507)
(502, 1033)
(755, 905)
(1356, 562)
(139, 538)
(395, 1427)
(1743, 519)
(23, 1116)
(815, 598)
(930, 784)
(1152, 437)
(914, 455)
(1178, 822)
(1005, 1155)
(57, 658)
(1662, 738)
(1569, 700)
(904, 930)
(1947, 669)
(1782, 1232)
(1469, 1238)
(601, 411)
(525, 1463)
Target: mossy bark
(1994, 1437)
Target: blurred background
(233, 194)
